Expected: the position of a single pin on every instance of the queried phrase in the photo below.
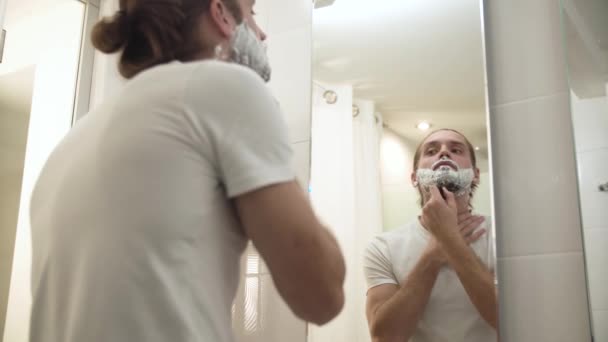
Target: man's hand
(467, 226)
(440, 216)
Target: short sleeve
(377, 266)
(245, 125)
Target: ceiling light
(477, 148)
(423, 126)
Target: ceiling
(416, 59)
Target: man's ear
(476, 179)
(222, 18)
(414, 179)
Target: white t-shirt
(135, 237)
(449, 316)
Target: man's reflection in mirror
(432, 280)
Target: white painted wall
(48, 37)
(13, 136)
(401, 201)
(288, 25)
(590, 117)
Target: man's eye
(430, 151)
(457, 151)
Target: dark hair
(153, 32)
(470, 147)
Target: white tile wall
(290, 15)
(596, 252)
(525, 49)
(290, 55)
(590, 117)
(543, 299)
(278, 318)
(301, 152)
(600, 328)
(288, 25)
(593, 171)
(590, 123)
(289, 29)
(542, 287)
(272, 319)
(534, 184)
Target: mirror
(585, 27)
(386, 75)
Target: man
(433, 280)
(142, 212)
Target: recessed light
(477, 148)
(423, 126)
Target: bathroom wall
(288, 25)
(13, 134)
(543, 295)
(399, 198)
(46, 34)
(590, 117)
(289, 28)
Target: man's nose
(445, 153)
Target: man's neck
(462, 203)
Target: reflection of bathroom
(368, 119)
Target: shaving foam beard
(247, 50)
(457, 181)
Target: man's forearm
(475, 277)
(397, 318)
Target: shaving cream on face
(246, 49)
(457, 181)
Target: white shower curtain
(345, 192)
(367, 130)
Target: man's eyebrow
(430, 143)
(450, 142)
